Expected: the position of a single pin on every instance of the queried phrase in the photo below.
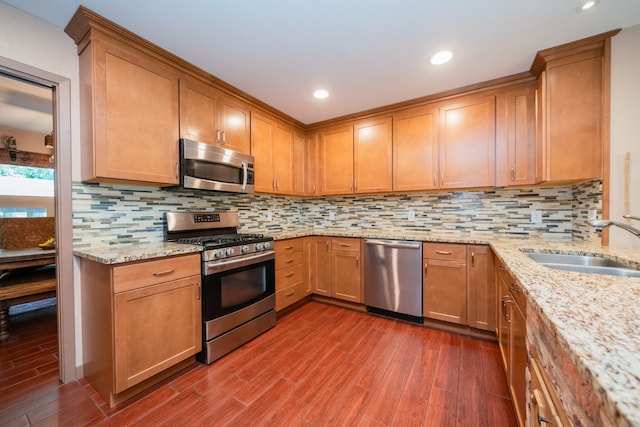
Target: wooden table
(25, 289)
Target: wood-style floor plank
(320, 366)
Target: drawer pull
(502, 267)
(289, 275)
(514, 287)
(289, 261)
(345, 245)
(443, 252)
(288, 248)
(163, 273)
(288, 294)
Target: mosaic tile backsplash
(117, 214)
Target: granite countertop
(594, 318)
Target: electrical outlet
(332, 216)
(592, 215)
(269, 216)
(536, 216)
(412, 215)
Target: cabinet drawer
(514, 287)
(288, 246)
(289, 276)
(288, 296)
(139, 275)
(288, 260)
(345, 244)
(446, 251)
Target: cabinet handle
(277, 183)
(289, 261)
(502, 267)
(314, 189)
(355, 185)
(513, 174)
(163, 273)
(350, 185)
(177, 170)
(224, 137)
(435, 180)
(288, 294)
(218, 137)
(327, 246)
(345, 245)
(442, 179)
(443, 252)
(514, 287)
(505, 300)
(199, 291)
(473, 259)
(288, 248)
(289, 275)
(357, 262)
(425, 269)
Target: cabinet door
(574, 117)
(312, 176)
(518, 363)
(445, 291)
(415, 150)
(321, 266)
(135, 116)
(283, 159)
(467, 143)
(516, 143)
(372, 152)
(503, 301)
(337, 161)
(155, 327)
(198, 111)
(346, 269)
(235, 124)
(262, 140)
(308, 257)
(481, 287)
(300, 165)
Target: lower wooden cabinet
(458, 284)
(140, 322)
(335, 267)
(290, 277)
(512, 333)
(545, 408)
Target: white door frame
(64, 211)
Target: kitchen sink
(584, 264)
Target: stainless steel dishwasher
(393, 278)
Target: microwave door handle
(245, 175)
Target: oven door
(232, 286)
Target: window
(25, 191)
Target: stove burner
(223, 239)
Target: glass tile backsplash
(116, 214)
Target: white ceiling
(366, 53)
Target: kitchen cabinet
(518, 155)
(481, 288)
(300, 163)
(141, 322)
(445, 282)
(357, 158)
(570, 111)
(335, 267)
(545, 406)
(311, 161)
(272, 144)
(129, 122)
(290, 277)
(512, 338)
(207, 115)
(415, 149)
(467, 143)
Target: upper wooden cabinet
(415, 149)
(272, 146)
(572, 99)
(209, 116)
(129, 119)
(467, 143)
(518, 157)
(358, 158)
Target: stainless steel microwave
(208, 167)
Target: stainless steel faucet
(604, 223)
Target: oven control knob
(244, 249)
(267, 245)
(259, 246)
(230, 251)
(219, 253)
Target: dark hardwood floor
(321, 365)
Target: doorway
(60, 160)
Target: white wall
(625, 131)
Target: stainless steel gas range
(238, 278)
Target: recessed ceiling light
(586, 5)
(441, 57)
(320, 94)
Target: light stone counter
(594, 319)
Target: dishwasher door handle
(392, 244)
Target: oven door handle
(218, 267)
